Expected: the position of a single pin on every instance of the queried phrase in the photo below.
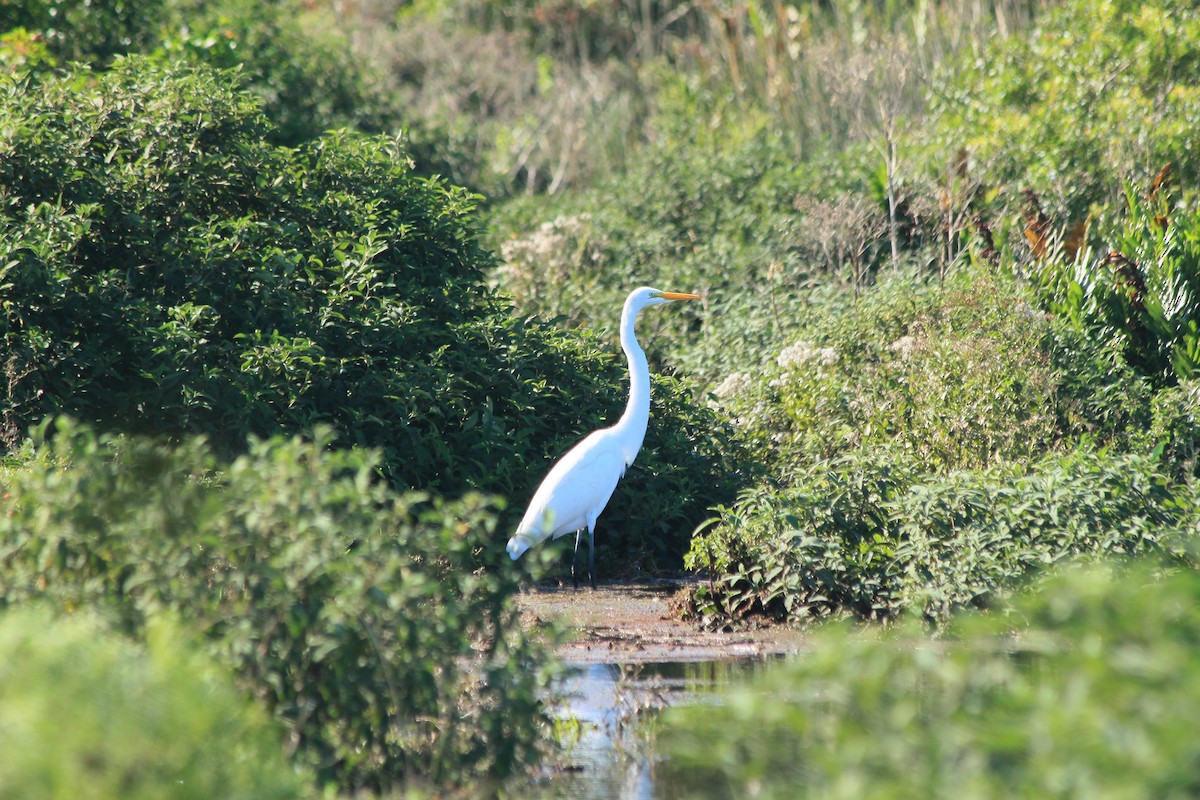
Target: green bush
(293, 57)
(1176, 427)
(964, 376)
(380, 630)
(86, 713)
(80, 30)
(900, 433)
(869, 537)
(821, 547)
(169, 271)
(1143, 296)
(299, 64)
(1089, 687)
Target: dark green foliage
(293, 58)
(869, 538)
(824, 546)
(1143, 296)
(169, 271)
(1176, 427)
(85, 712)
(1090, 687)
(290, 56)
(360, 618)
(87, 31)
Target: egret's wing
(576, 489)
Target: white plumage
(580, 484)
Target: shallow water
(613, 759)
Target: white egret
(579, 485)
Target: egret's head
(647, 296)
(517, 546)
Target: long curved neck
(632, 425)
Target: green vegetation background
(300, 300)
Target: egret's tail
(517, 546)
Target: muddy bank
(624, 623)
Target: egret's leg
(592, 555)
(575, 559)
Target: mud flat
(621, 623)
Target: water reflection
(613, 758)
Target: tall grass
(539, 96)
(834, 72)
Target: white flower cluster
(551, 245)
(737, 383)
(803, 352)
(904, 346)
(538, 266)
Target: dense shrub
(962, 376)
(822, 547)
(86, 713)
(79, 30)
(169, 271)
(924, 446)
(1088, 688)
(1143, 296)
(294, 58)
(360, 618)
(154, 236)
(870, 538)
(291, 56)
(1176, 427)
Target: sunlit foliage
(1086, 687)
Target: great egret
(579, 485)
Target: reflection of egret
(609, 757)
(580, 484)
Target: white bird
(579, 485)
